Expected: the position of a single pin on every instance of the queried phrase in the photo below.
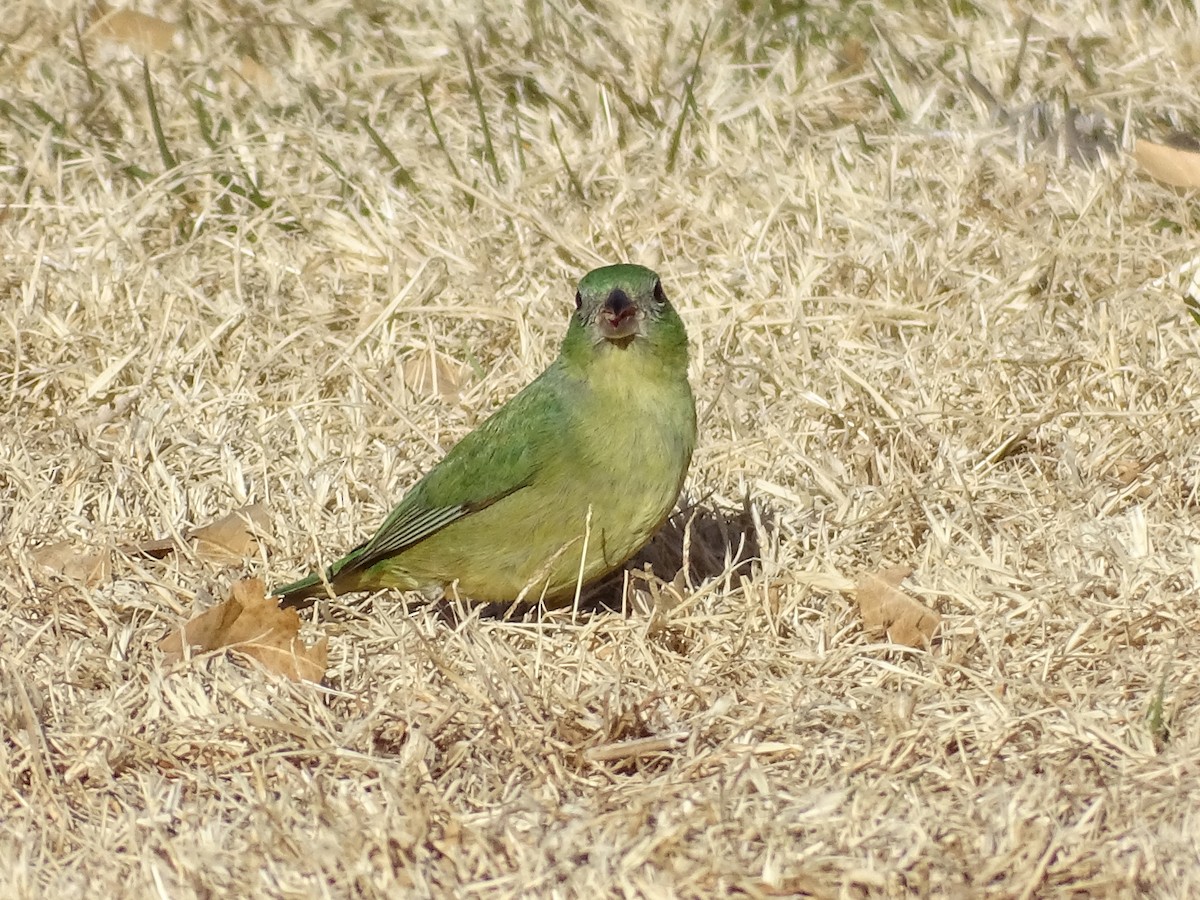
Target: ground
(937, 320)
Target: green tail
(303, 593)
(300, 594)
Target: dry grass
(922, 335)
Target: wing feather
(497, 459)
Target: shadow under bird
(562, 484)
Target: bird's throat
(621, 342)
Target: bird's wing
(497, 459)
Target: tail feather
(301, 594)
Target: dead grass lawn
(937, 318)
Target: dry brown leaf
(853, 56)
(252, 623)
(429, 373)
(1170, 165)
(886, 608)
(1128, 470)
(256, 74)
(74, 563)
(203, 633)
(228, 541)
(233, 537)
(140, 32)
(155, 549)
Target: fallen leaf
(155, 549)
(256, 74)
(73, 563)
(1175, 166)
(140, 32)
(429, 373)
(1128, 470)
(853, 56)
(886, 608)
(233, 537)
(207, 631)
(251, 623)
(228, 540)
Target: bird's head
(624, 309)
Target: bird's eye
(660, 295)
(578, 300)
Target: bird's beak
(617, 325)
(619, 317)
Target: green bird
(562, 484)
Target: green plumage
(592, 453)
